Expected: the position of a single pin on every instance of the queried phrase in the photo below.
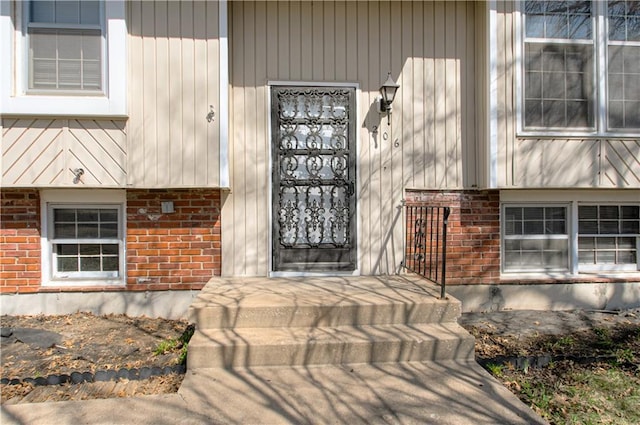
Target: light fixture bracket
(388, 92)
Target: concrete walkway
(450, 392)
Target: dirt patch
(569, 367)
(40, 346)
(576, 333)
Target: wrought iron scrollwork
(288, 215)
(315, 202)
(419, 239)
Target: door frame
(270, 213)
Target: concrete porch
(245, 322)
(371, 349)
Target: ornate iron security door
(314, 205)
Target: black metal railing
(425, 249)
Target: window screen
(86, 242)
(608, 234)
(65, 45)
(559, 65)
(535, 238)
(581, 66)
(624, 64)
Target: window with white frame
(623, 61)
(535, 238)
(63, 58)
(65, 45)
(538, 238)
(581, 66)
(86, 241)
(608, 237)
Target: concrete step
(444, 393)
(249, 347)
(320, 302)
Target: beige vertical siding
(43, 152)
(429, 47)
(527, 162)
(173, 80)
(505, 59)
(481, 151)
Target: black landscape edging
(99, 376)
(538, 362)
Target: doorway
(314, 179)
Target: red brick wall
(473, 243)
(19, 240)
(179, 250)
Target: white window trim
(223, 113)
(597, 268)
(14, 99)
(599, 44)
(73, 199)
(571, 198)
(80, 275)
(492, 98)
(503, 236)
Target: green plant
(495, 369)
(185, 338)
(624, 355)
(165, 346)
(603, 337)
(602, 394)
(601, 332)
(564, 342)
(173, 344)
(538, 394)
(182, 357)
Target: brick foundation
(174, 251)
(473, 250)
(19, 240)
(179, 250)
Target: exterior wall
(473, 245)
(431, 142)
(481, 93)
(530, 162)
(505, 84)
(19, 240)
(594, 163)
(173, 79)
(174, 251)
(39, 152)
(169, 138)
(179, 250)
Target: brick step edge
(134, 374)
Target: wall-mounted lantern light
(387, 94)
